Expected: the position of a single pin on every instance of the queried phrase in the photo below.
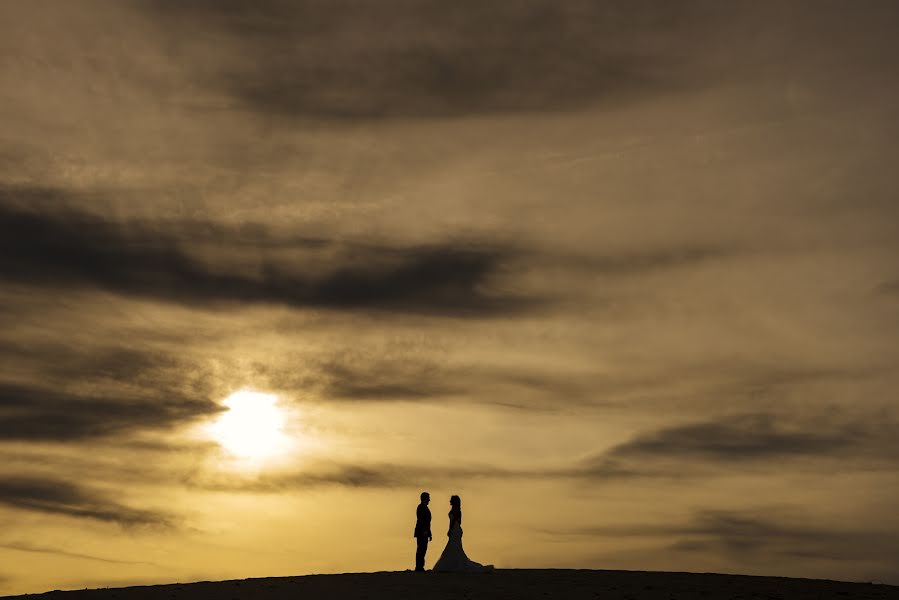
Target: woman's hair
(456, 501)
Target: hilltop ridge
(503, 584)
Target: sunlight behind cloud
(252, 427)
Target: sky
(621, 274)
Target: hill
(501, 584)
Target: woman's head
(456, 501)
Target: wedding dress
(453, 557)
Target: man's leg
(420, 553)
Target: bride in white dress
(453, 557)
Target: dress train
(454, 559)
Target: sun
(252, 427)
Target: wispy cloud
(639, 262)
(748, 441)
(39, 414)
(739, 437)
(60, 497)
(387, 381)
(376, 476)
(350, 61)
(730, 444)
(889, 287)
(758, 532)
(65, 248)
(37, 549)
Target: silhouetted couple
(453, 557)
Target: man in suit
(422, 530)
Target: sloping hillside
(501, 584)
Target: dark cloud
(756, 440)
(889, 287)
(387, 373)
(379, 476)
(387, 381)
(390, 374)
(736, 532)
(32, 413)
(59, 388)
(402, 58)
(61, 361)
(60, 497)
(409, 376)
(739, 437)
(353, 476)
(758, 533)
(636, 263)
(65, 248)
(383, 475)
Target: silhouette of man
(422, 530)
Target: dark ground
(517, 584)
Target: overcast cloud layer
(621, 274)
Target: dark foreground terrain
(517, 584)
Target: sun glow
(252, 427)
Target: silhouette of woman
(453, 557)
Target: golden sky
(621, 274)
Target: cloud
(348, 60)
(73, 386)
(739, 532)
(759, 532)
(407, 375)
(399, 380)
(408, 372)
(375, 476)
(66, 248)
(698, 450)
(62, 361)
(889, 287)
(398, 372)
(64, 498)
(747, 441)
(378, 476)
(37, 549)
(31, 413)
(738, 437)
(646, 261)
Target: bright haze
(624, 275)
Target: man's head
(425, 497)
